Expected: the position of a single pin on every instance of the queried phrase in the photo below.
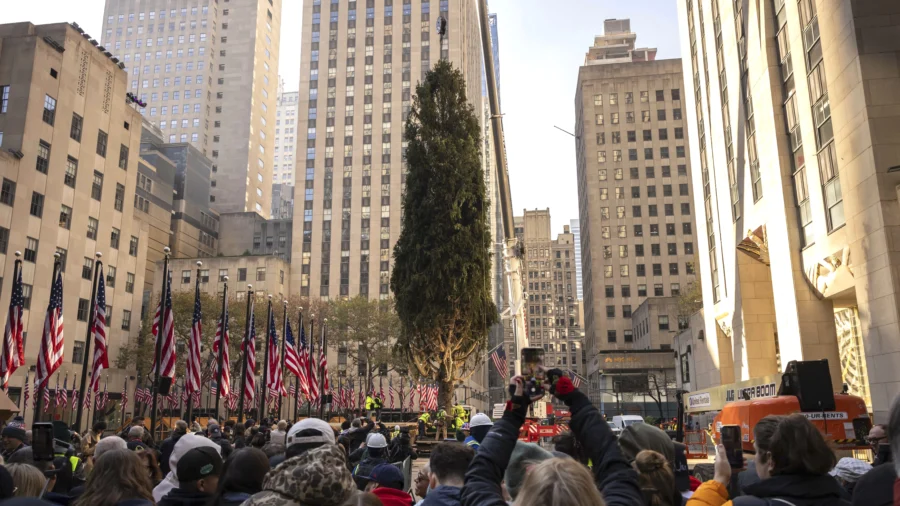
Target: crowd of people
(310, 463)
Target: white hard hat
(376, 440)
(310, 423)
(480, 419)
(396, 427)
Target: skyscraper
(633, 185)
(69, 163)
(208, 80)
(348, 217)
(285, 147)
(576, 233)
(794, 131)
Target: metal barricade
(695, 442)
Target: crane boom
(512, 253)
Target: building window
(123, 157)
(75, 129)
(204, 275)
(31, 249)
(78, 349)
(658, 290)
(101, 143)
(222, 274)
(186, 276)
(119, 200)
(610, 336)
(663, 322)
(83, 309)
(242, 274)
(629, 336)
(26, 296)
(93, 225)
(37, 204)
(133, 246)
(49, 109)
(610, 311)
(111, 276)
(126, 319)
(42, 164)
(8, 192)
(260, 273)
(129, 282)
(65, 217)
(626, 311)
(4, 98)
(71, 172)
(87, 268)
(4, 240)
(114, 238)
(97, 186)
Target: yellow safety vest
(370, 403)
(425, 417)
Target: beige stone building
(69, 145)
(268, 274)
(799, 239)
(209, 75)
(634, 188)
(357, 75)
(656, 322)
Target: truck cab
(622, 421)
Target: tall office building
(551, 309)
(348, 218)
(69, 146)
(633, 185)
(285, 147)
(209, 74)
(799, 237)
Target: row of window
(664, 154)
(641, 270)
(241, 272)
(655, 250)
(628, 97)
(614, 117)
(634, 172)
(646, 135)
(162, 14)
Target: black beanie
(15, 430)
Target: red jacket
(393, 497)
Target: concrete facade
(656, 321)
(268, 274)
(800, 236)
(69, 162)
(634, 192)
(355, 90)
(248, 233)
(208, 73)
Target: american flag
(576, 379)
(303, 360)
(499, 359)
(213, 388)
(391, 391)
(62, 396)
(312, 373)
(291, 358)
(27, 394)
(421, 389)
(13, 355)
(351, 397)
(52, 340)
(86, 401)
(433, 398)
(98, 330)
(249, 349)
(274, 379)
(166, 334)
(381, 388)
(223, 376)
(292, 391)
(103, 399)
(232, 401)
(46, 399)
(192, 378)
(124, 397)
(73, 398)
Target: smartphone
(532, 359)
(731, 439)
(42, 441)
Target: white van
(622, 421)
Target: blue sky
(542, 44)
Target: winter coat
(178, 497)
(443, 496)
(358, 435)
(799, 490)
(400, 449)
(875, 488)
(615, 479)
(392, 497)
(364, 469)
(318, 477)
(166, 451)
(233, 499)
(224, 444)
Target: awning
(6, 404)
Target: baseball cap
(480, 419)
(376, 440)
(387, 475)
(311, 423)
(199, 463)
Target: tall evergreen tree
(441, 276)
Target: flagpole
(190, 358)
(73, 399)
(283, 344)
(297, 391)
(265, 374)
(322, 351)
(244, 357)
(222, 345)
(123, 402)
(157, 351)
(38, 394)
(98, 266)
(309, 367)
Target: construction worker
(370, 405)
(424, 420)
(379, 403)
(479, 427)
(461, 412)
(441, 421)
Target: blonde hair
(28, 480)
(655, 477)
(559, 481)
